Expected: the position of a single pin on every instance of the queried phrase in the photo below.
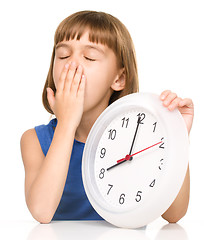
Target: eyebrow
(85, 46)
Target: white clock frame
(175, 169)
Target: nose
(74, 58)
(74, 64)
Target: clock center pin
(128, 157)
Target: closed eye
(64, 57)
(90, 59)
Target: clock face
(138, 135)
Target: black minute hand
(138, 123)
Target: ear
(119, 81)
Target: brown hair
(104, 29)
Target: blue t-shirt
(74, 204)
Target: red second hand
(127, 157)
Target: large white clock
(135, 160)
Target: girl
(93, 64)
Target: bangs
(101, 29)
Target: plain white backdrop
(168, 38)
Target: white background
(169, 43)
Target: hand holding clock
(185, 106)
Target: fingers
(164, 94)
(60, 86)
(170, 100)
(174, 104)
(73, 79)
(186, 102)
(70, 78)
(81, 90)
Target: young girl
(93, 64)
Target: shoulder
(30, 146)
(35, 142)
(28, 136)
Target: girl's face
(99, 66)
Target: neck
(88, 119)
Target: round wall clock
(135, 160)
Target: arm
(45, 177)
(179, 207)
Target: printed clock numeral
(142, 117)
(102, 172)
(122, 198)
(112, 134)
(161, 163)
(162, 144)
(138, 196)
(110, 185)
(152, 183)
(154, 126)
(103, 152)
(125, 120)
